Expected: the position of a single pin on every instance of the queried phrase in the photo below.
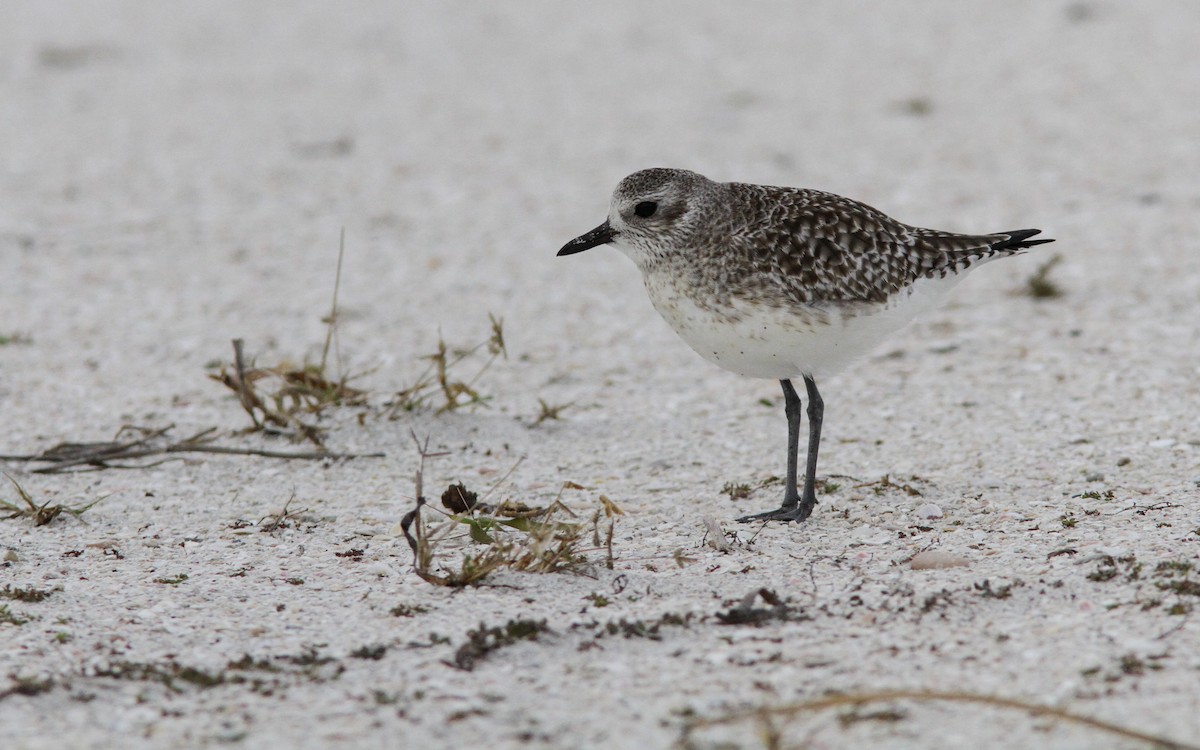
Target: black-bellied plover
(776, 282)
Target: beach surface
(179, 175)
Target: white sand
(175, 175)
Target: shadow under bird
(783, 283)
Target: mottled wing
(821, 247)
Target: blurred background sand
(177, 174)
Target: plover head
(652, 213)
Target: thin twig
(858, 699)
(333, 311)
(245, 393)
(66, 456)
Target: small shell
(933, 559)
(929, 511)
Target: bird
(783, 283)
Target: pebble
(716, 537)
(933, 559)
(929, 511)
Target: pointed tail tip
(1019, 239)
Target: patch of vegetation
(736, 491)
(9, 617)
(437, 380)
(277, 398)
(917, 106)
(408, 610)
(1067, 520)
(27, 594)
(169, 674)
(484, 641)
(649, 629)
(513, 536)
(1174, 576)
(1040, 285)
(7, 339)
(938, 601)
(373, 652)
(174, 580)
(886, 483)
(27, 686)
(742, 490)
(40, 514)
(986, 591)
(550, 411)
(1171, 568)
(263, 675)
(1168, 576)
(598, 600)
(1109, 568)
(745, 613)
(1128, 665)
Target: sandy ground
(176, 175)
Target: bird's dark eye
(645, 209)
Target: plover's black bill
(601, 235)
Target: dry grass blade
(767, 716)
(331, 321)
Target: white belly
(787, 342)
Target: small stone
(11, 556)
(1094, 476)
(1124, 461)
(929, 511)
(933, 559)
(716, 537)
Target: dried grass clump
(507, 536)
(437, 380)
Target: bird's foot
(797, 512)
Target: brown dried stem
(765, 716)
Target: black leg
(797, 507)
(816, 413)
(791, 407)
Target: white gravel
(176, 175)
